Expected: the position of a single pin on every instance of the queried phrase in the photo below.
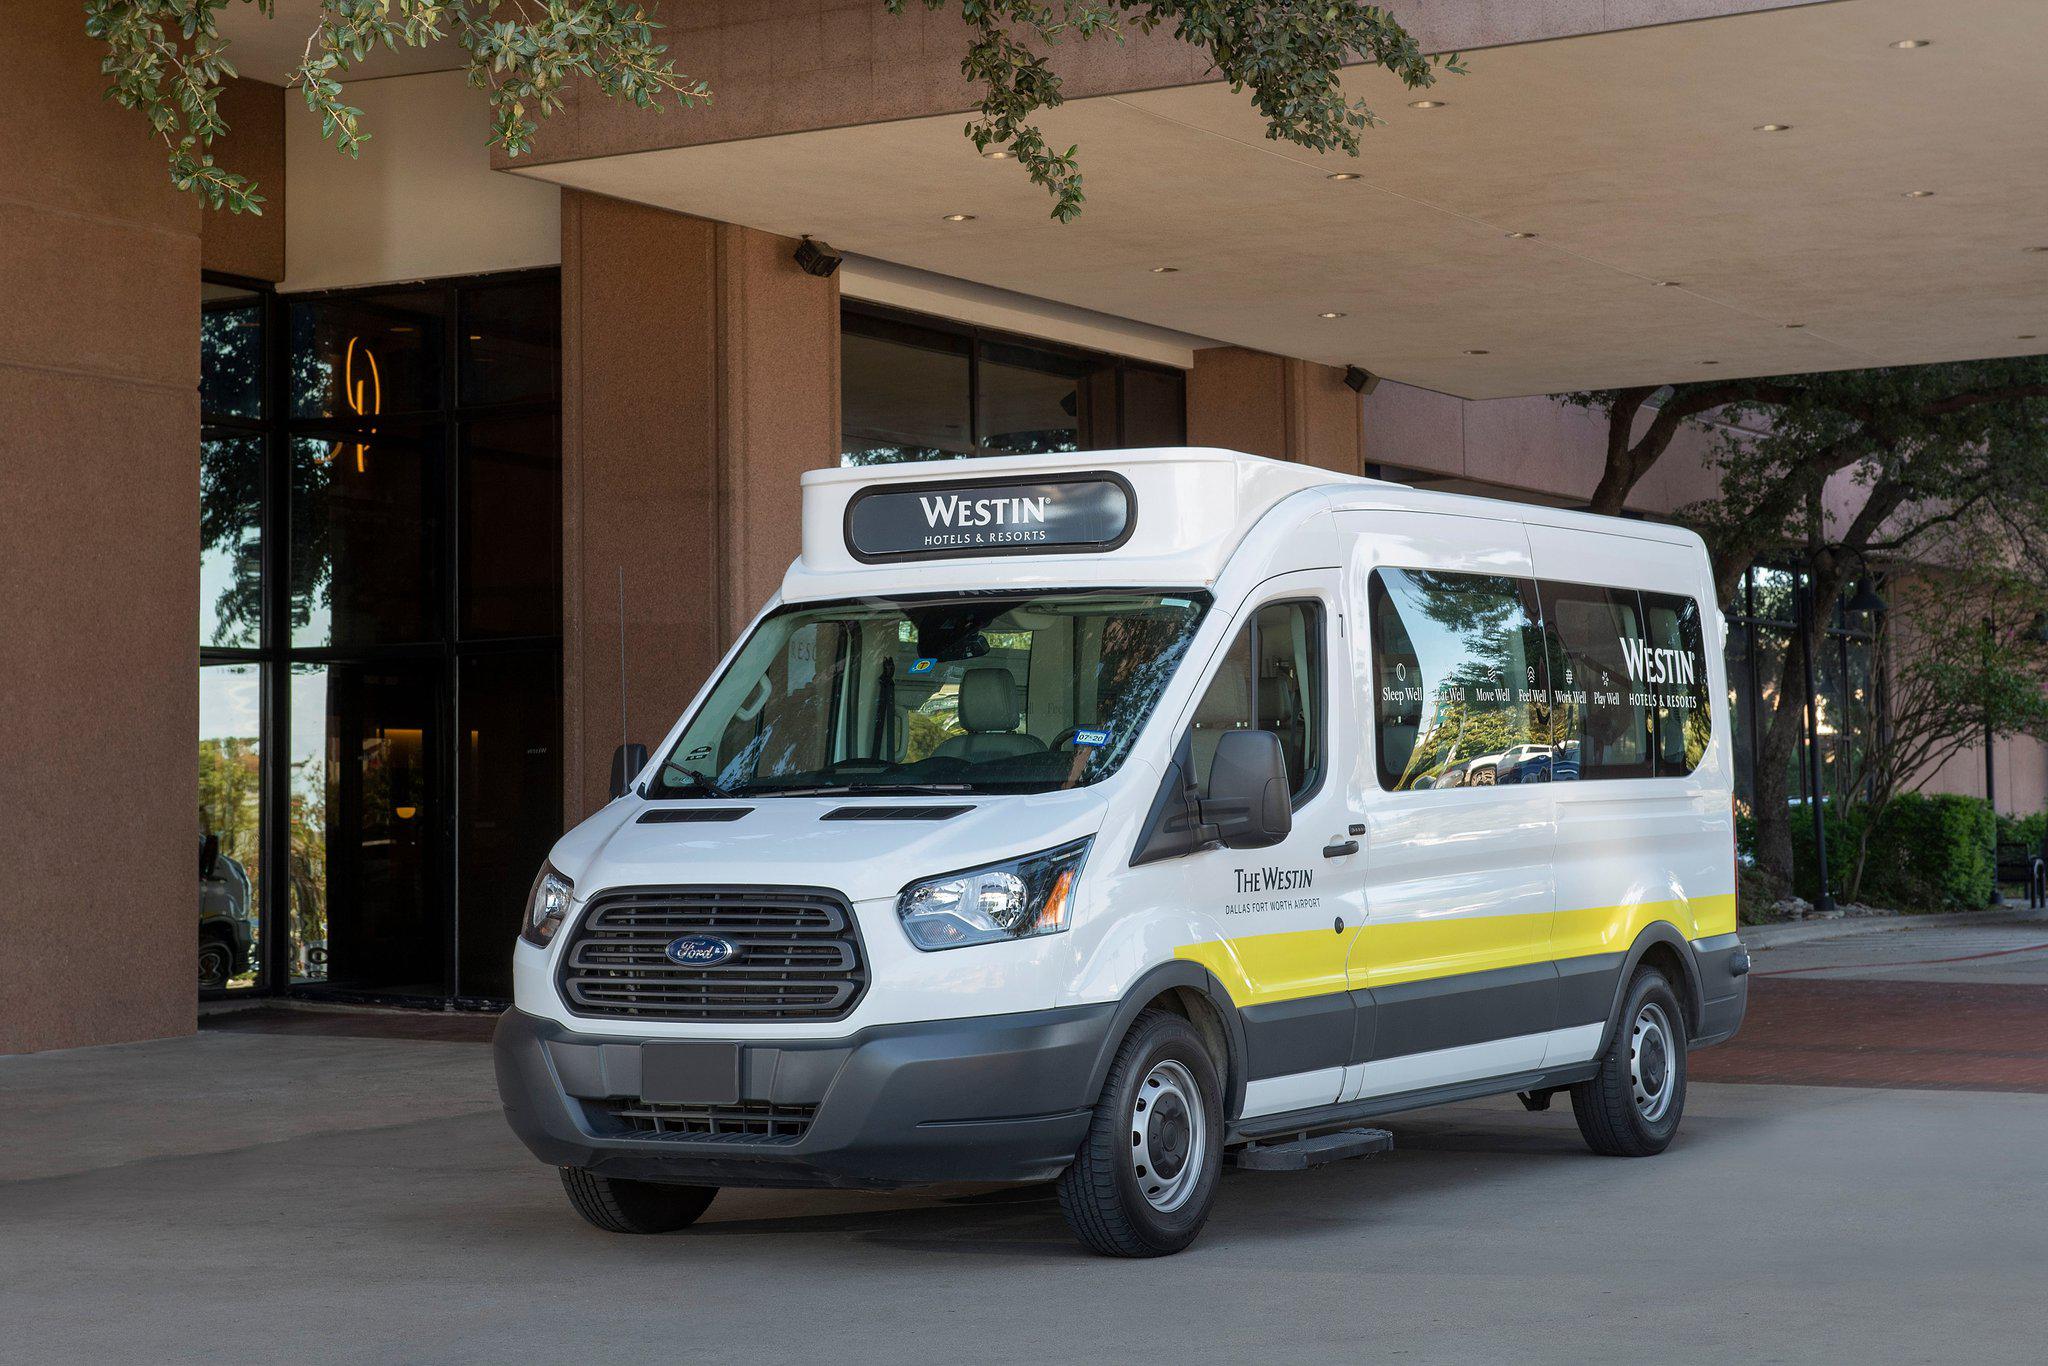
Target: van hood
(788, 841)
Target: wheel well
(1665, 959)
(1199, 1011)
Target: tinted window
(1458, 681)
(1676, 671)
(1271, 679)
(1600, 717)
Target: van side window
(1682, 719)
(1458, 685)
(1271, 679)
(1600, 713)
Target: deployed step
(1313, 1151)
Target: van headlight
(547, 906)
(1015, 900)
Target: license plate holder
(687, 1073)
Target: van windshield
(957, 692)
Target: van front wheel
(1631, 1106)
(620, 1206)
(1146, 1175)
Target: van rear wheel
(1145, 1178)
(620, 1206)
(1631, 1106)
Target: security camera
(816, 258)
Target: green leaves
(166, 59)
(1287, 53)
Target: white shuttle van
(1104, 818)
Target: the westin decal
(1092, 512)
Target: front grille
(756, 1122)
(799, 955)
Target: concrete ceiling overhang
(1632, 156)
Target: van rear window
(1483, 680)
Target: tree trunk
(1773, 786)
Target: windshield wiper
(691, 780)
(858, 790)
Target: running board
(1312, 1151)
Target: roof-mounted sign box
(1094, 510)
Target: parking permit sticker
(1094, 738)
(920, 667)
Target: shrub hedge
(1928, 852)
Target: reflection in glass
(360, 357)
(1155, 407)
(230, 541)
(364, 809)
(904, 395)
(510, 342)
(511, 481)
(1601, 711)
(1270, 679)
(510, 807)
(1674, 675)
(1459, 683)
(360, 573)
(230, 824)
(231, 360)
(1032, 401)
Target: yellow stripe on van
(1261, 969)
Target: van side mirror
(627, 760)
(209, 857)
(1246, 804)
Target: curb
(1808, 931)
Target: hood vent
(683, 815)
(895, 813)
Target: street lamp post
(1824, 896)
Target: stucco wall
(99, 423)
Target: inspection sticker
(1095, 738)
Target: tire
(216, 963)
(620, 1206)
(1160, 1114)
(1632, 1105)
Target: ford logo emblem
(699, 950)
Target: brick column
(1275, 406)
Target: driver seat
(989, 714)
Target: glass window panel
(511, 512)
(361, 572)
(511, 343)
(1226, 706)
(1155, 407)
(1673, 670)
(1773, 594)
(1288, 695)
(509, 709)
(366, 813)
(230, 825)
(1032, 401)
(364, 356)
(1458, 681)
(231, 541)
(903, 393)
(231, 352)
(1600, 712)
(1742, 711)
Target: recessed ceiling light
(1342, 175)
(1774, 128)
(1670, 284)
(1795, 326)
(1166, 270)
(2027, 336)
(1478, 353)
(1913, 42)
(2037, 249)
(998, 154)
(1919, 194)
(959, 218)
(1427, 104)
(1710, 362)
(1329, 315)
(1519, 235)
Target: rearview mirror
(1246, 803)
(627, 760)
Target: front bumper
(994, 1098)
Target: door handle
(1339, 850)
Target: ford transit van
(1104, 819)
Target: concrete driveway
(297, 1196)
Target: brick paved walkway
(1806, 1031)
